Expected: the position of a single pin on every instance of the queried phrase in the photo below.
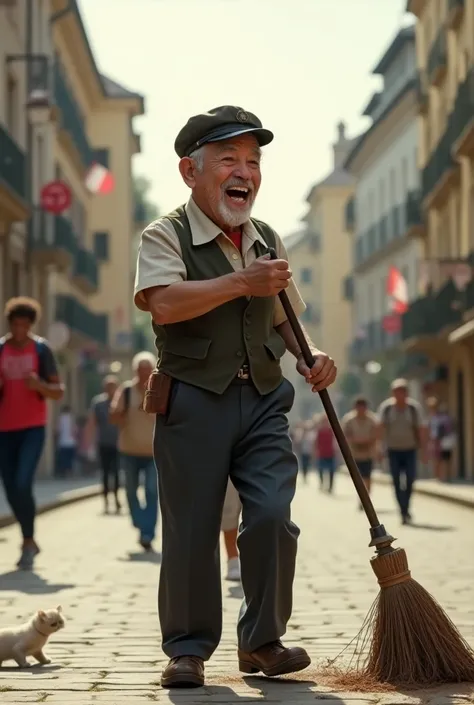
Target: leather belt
(244, 372)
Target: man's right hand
(266, 277)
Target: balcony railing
(350, 214)
(438, 58)
(72, 120)
(81, 320)
(440, 163)
(431, 314)
(420, 319)
(86, 270)
(462, 116)
(52, 240)
(12, 164)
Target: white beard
(232, 218)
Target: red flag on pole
(397, 290)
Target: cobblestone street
(110, 648)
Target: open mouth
(238, 194)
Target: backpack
(41, 351)
(414, 419)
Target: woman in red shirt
(326, 452)
(28, 376)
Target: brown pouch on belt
(157, 393)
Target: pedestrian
(230, 528)
(135, 444)
(103, 434)
(66, 442)
(403, 430)
(443, 439)
(221, 400)
(307, 448)
(360, 428)
(326, 453)
(28, 376)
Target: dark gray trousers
(205, 438)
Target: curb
(62, 500)
(453, 499)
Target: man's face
(110, 389)
(361, 408)
(144, 370)
(20, 328)
(227, 185)
(400, 395)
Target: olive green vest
(209, 350)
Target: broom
(412, 641)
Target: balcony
(422, 93)
(12, 177)
(455, 13)
(420, 319)
(438, 59)
(433, 314)
(440, 171)
(86, 271)
(462, 118)
(350, 215)
(82, 322)
(414, 223)
(53, 241)
(71, 122)
(376, 342)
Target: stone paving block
(110, 651)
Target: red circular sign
(56, 197)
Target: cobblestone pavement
(110, 652)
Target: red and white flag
(397, 290)
(99, 180)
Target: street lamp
(39, 107)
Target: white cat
(16, 643)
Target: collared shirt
(160, 261)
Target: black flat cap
(219, 124)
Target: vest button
(235, 256)
(247, 336)
(239, 353)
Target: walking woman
(28, 376)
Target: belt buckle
(244, 372)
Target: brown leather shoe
(183, 672)
(274, 660)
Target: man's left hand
(322, 374)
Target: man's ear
(187, 169)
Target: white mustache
(236, 182)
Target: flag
(99, 180)
(397, 291)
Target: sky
(300, 65)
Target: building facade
(440, 322)
(78, 262)
(384, 216)
(320, 256)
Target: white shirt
(66, 431)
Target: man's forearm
(186, 300)
(292, 345)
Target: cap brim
(262, 135)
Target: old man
(205, 276)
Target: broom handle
(330, 411)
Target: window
(12, 106)
(101, 156)
(306, 275)
(101, 246)
(39, 164)
(15, 279)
